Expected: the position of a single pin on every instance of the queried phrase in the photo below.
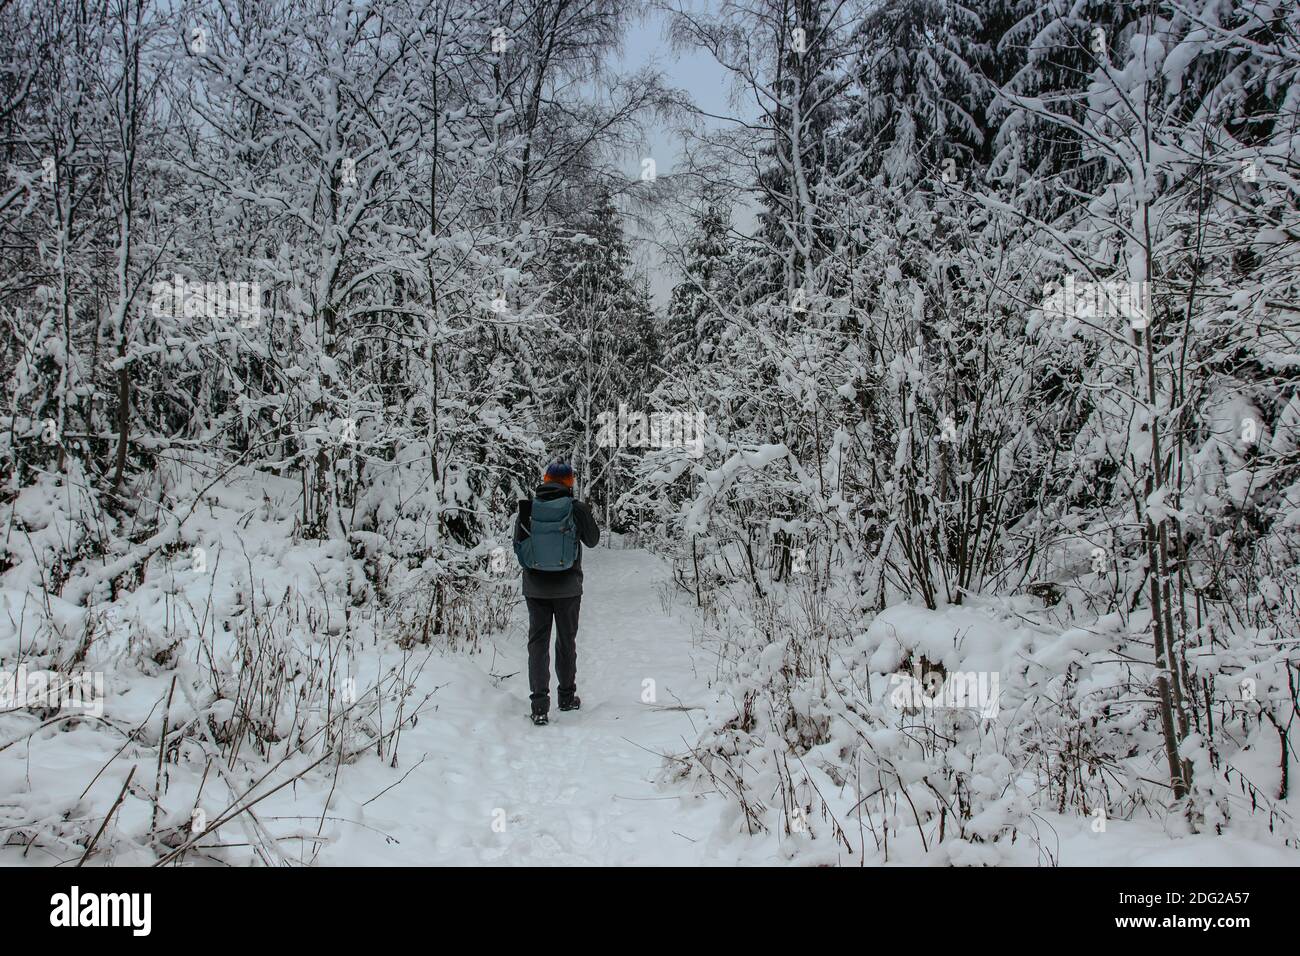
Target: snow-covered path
(493, 788)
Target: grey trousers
(541, 613)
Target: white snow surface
(474, 782)
(581, 790)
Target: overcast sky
(709, 86)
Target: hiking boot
(540, 719)
(572, 702)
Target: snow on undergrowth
(999, 731)
(242, 669)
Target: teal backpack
(552, 541)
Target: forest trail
(494, 789)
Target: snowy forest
(939, 407)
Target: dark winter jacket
(557, 584)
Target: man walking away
(550, 530)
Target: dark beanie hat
(560, 472)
